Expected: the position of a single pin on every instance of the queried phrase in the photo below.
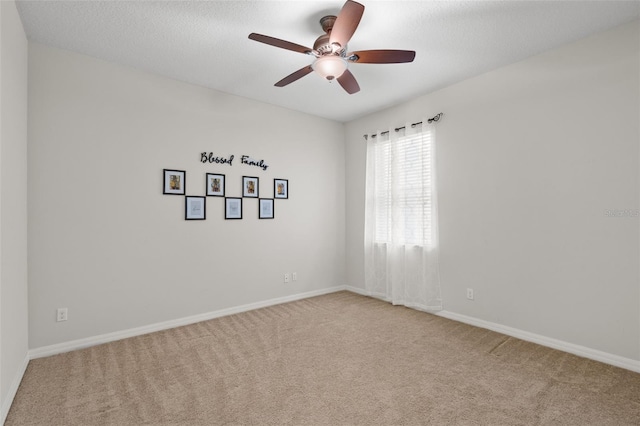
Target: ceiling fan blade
(279, 43)
(348, 82)
(346, 23)
(294, 76)
(382, 56)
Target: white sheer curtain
(401, 218)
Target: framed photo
(195, 208)
(233, 208)
(215, 185)
(250, 186)
(281, 188)
(174, 182)
(266, 208)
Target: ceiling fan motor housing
(322, 44)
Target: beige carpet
(338, 359)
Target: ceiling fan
(330, 50)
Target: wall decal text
(251, 162)
(209, 157)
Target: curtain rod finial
(435, 118)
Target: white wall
(530, 156)
(13, 204)
(103, 240)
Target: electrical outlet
(62, 314)
(286, 278)
(470, 293)
(294, 276)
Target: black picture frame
(233, 208)
(281, 188)
(195, 207)
(266, 208)
(174, 182)
(250, 186)
(215, 184)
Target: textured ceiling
(206, 42)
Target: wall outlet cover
(470, 293)
(61, 314)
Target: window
(403, 193)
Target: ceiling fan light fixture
(330, 66)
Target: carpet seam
(507, 338)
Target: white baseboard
(583, 351)
(13, 389)
(357, 290)
(118, 335)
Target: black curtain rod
(397, 129)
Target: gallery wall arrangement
(175, 183)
